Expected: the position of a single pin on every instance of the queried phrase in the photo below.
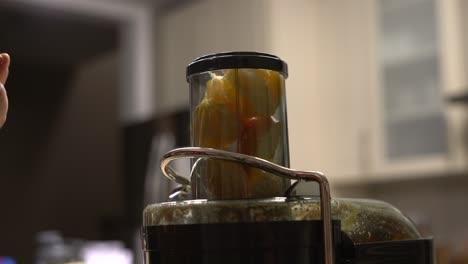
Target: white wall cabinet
(328, 46)
(420, 61)
(410, 126)
(367, 87)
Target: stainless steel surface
(325, 197)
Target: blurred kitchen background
(377, 99)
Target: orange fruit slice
(214, 125)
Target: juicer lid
(238, 59)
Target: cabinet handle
(461, 98)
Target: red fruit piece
(260, 137)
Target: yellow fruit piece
(221, 91)
(274, 83)
(214, 125)
(230, 74)
(262, 184)
(259, 91)
(220, 180)
(226, 180)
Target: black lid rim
(235, 60)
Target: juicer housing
(238, 205)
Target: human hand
(4, 64)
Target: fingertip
(4, 65)
(3, 105)
(5, 59)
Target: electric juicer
(239, 206)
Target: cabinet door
(454, 33)
(410, 126)
(328, 47)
